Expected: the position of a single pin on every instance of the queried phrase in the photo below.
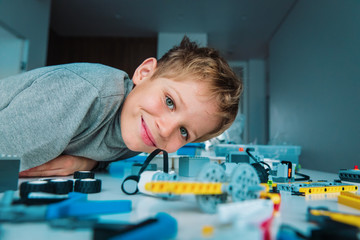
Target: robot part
(316, 187)
(149, 176)
(211, 188)
(211, 172)
(244, 183)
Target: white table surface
(189, 217)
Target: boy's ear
(145, 70)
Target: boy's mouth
(146, 136)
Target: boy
(67, 118)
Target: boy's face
(166, 114)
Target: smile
(146, 134)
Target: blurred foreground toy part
(77, 212)
(349, 199)
(333, 225)
(248, 217)
(162, 226)
(75, 206)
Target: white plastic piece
(250, 212)
(149, 176)
(145, 177)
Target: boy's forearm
(63, 165)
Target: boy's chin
(137, 148)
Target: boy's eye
(169, 102)
(184, 132)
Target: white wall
(30, 19)
(314, 67)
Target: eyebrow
(183, 103)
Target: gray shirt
(67, 109)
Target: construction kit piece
(332, 225)
(162, 226)
(75, 206)
(285, 172)
(320, 187)
(349, 199)
(211, 187)
(85, 183)
(212, 173)
(191, 166)
(84, 174)
(350, 175)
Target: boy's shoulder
(105, 78)
(93, 70)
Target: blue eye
(184, 132)
(169, 102)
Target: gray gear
(211, 172)
(244, 183)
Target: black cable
(250, 155)
(255, 159)
(269, 168)
(304, 177)
(136, 178)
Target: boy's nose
(167, 127)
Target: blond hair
(204, 64)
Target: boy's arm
(40, 121)
(61, 166)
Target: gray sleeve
(39, 121)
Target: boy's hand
(61, 166)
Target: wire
(255, 159)
(269, 168)
(304, 177)
(136, 178)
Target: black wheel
(88, 185)
(34, 186)
(84, 174)
(61, 186)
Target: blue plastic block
(279, 152)
(191, 149)
(135, 168)
(77, 206)
(165, 227)
(191, 166)
(122, 168)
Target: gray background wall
(314, 69)
(29, 19)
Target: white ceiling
(240, 29)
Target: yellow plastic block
(184, 187)
(329, 189)
(350, 219)
(349, 199)
(207, 231)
